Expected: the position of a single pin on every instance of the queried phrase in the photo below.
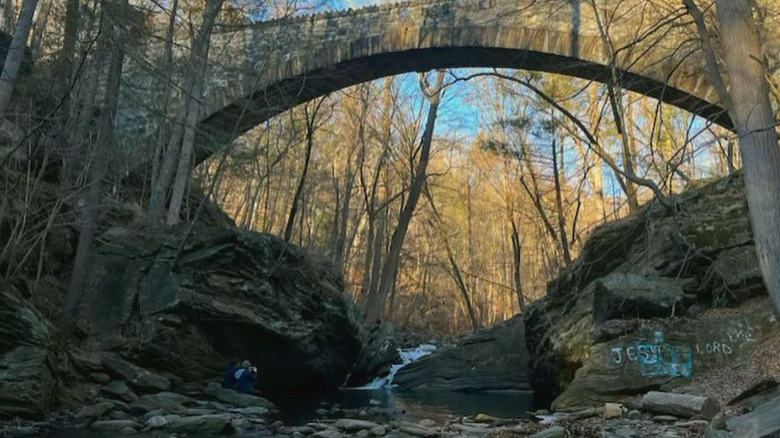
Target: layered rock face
(492, 360)
(226, 293)
(641, 306)
(27, 386)
(378, 355)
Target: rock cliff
(157, 315)
(654, 298)
(226, 293)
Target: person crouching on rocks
(229, 376)
(245, 377)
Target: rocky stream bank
(661, 302)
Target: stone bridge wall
(263, 69)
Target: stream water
(414, 406)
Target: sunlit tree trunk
(559, 205)
(376, 302)
(751, 112)
(311, 119)
(517, 264)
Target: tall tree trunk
(114, 51)
(455, 268)
(517, 264)
(167, 86)
(559, 206)
(341, 235)
(41, 24)
(15, 55)
(376, 302)
(310, 128)
(751, 112)
(200, 62)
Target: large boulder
(625, 295)
(225, 293)
(638, 308)
(662, 350)
(27, 387)
(492, 360)
(379, 354)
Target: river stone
(328, 433)
(417, 430)
(169, 402)
(156, 422)
(553, 432)
(493, 360)
(93, 411)
(200, 424)
(27, 385)
(252, 410)
(236, 399)
(279, 306)
(119, 390)
(470, 430)
(351, 425)
(113, 425)
(379, 430)
(139, 378)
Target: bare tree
(113, 50)
(15, 55)
(311, 128)
(376, 302)
(750, 109)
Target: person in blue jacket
(228, 377)
(245, 377)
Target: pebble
(634, 414)
(664, 419)
(691, 423)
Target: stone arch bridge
(268, 67)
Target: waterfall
(408, 356)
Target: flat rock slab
(763, 421)
(471, 429)
(352, 425)
(417, 430)
(553, 432)
(120, 391)
(251, 410)
(328, 433)
(236, 399)
(94, 411)
(201, 423)
(114, 425)
(137, 377)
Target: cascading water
(408, 356)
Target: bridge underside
(225, 125)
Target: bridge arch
(270, 67)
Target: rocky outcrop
(631, 314)
(376, 358)
(493, 360)
(225, 293)
(27, 387)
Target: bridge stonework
(266, 68)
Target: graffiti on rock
(660, 358)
